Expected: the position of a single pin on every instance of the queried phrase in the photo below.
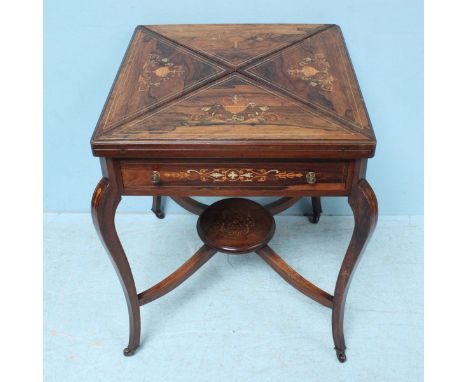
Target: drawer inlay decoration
(314, 69)
(157, 70)
(239, 175)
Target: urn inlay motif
(315, 70)
(235, 109)
(157, 70)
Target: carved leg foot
(364, 205)
(314, 217)
(104, 204)
(129, 352)
(156, 208)
(341, 355)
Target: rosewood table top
(235, 110)
(259, 90)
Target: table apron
(235, 178)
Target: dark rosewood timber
(156, 208)
(314, 217)
(235, 110)
(319, 61)
(197, 208)
(294, 91)
(281, 204)
(236, 226)
(178, 277)
(239, 226)
(294, 278)
(221, 176)
(190, 204)
(236, 45)
(363, 202)
(276, 207)
(105, 200)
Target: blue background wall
(84, 42)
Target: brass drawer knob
(155, 177)
(311, 178)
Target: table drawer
(151, 175)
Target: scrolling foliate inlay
(235, 109)
(157, 70)
(232, 175)
(315, 70)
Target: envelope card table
(235, 111)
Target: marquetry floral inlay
(234, 223)
(235, 109)
(237, 41)
(157, 70)
(233, 175)
(315, 70)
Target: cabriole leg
(364, 205)
(105, 200)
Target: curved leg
(314, 217)
(105, 200)
(156, 208)
(363, 202)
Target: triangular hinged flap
(318, 72)
(154, 71)
(236, 45)
(233, 108)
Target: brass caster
(314, 219)
(128, 352)
(341, 355)
(160, 214)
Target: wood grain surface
(234, 108)
(317, 71)
(236, 226)
(237, 44)
(154, 71)
(188, 88)
(194, 178)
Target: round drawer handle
(310, 177)
(155, 177)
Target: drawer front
(140, 175)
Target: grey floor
(235, 319)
